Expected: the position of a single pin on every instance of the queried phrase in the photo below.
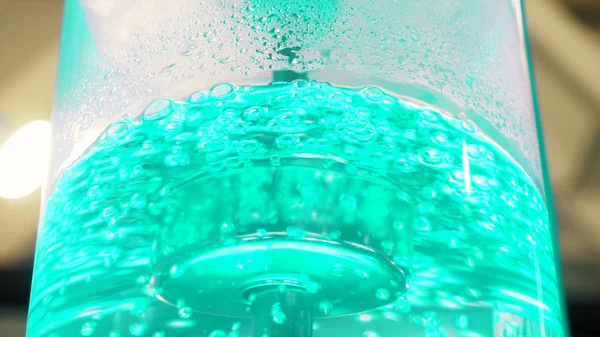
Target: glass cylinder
(296, 168)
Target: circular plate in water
(339, 278)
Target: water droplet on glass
(159, 334)
(236, 326)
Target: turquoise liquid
(289, 209)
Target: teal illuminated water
(282, 209)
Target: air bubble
(382, 294)
(278, 314)
(440, 138)
(373, 93)
(429, 192)
(222, 90)
(295, 232)
(325, 307)
(338, 270)
(432, 157)
(509, 331)
(387, 246)
(300, 84)
(422, 224)
(462, 322)
(212, 145)
(248, 146)
(253, 113)
(227, 228)
(139, 310)
(176, 158)
(218, 333)
(402, 305)
(348, 203)
(370, 334)
(287, 141)
(118, 130)
(261, 232)
(159, 109)
(88, 328)
(403, 196)
(275, 160)
(173, 127)
(313, 287)
(334, 234)
(137, 329)
(185, 312)
(138, 201)
(467, 126)
(406, 163)
(197, 97)
(176, 271)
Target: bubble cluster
(300, 161)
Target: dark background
(565, 36)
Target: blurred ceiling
(566, 41)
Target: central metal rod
(282, 314)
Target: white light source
(24, 160)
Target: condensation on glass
(261, 168)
